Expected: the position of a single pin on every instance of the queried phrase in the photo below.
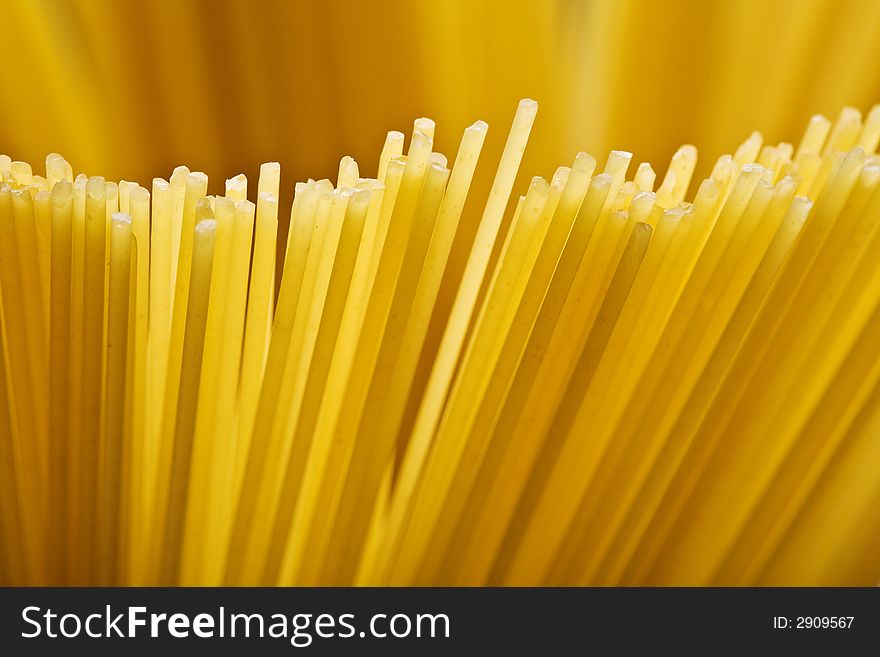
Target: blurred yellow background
(130, 90)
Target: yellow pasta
(116, 441)
(610, 379)
(202, 255)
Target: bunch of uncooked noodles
(621, 384)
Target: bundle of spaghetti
(630, 385)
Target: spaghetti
(628, 388)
